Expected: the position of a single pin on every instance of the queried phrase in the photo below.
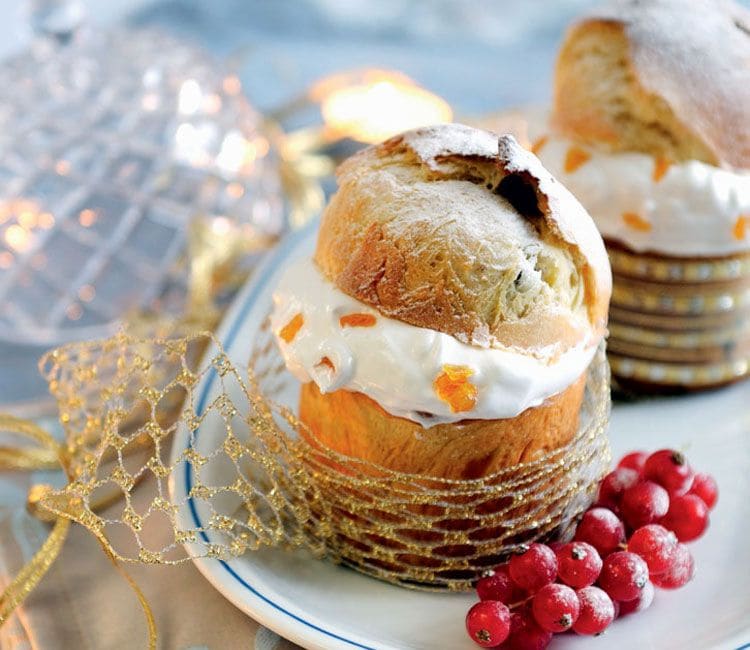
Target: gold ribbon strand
(49, 455)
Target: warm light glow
(262, 146)
(87, 217)
(192, 143)
(190, 97)
(17, 237)
(46, 220)
(221, 226)
(212, 104)
(27, 219)
(74, 311)
(86, 293)
(324, 87)
(6, 260)
(236, 153)
(62, 167)
(232, 85)
(371, 112)
(235, 190)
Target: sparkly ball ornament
(127, 155)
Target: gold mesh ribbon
(49, 455)
(260, 478)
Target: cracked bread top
(463, 231)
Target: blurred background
(478, 56)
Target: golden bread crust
(355, 425)
(461, 231)
(666, 77)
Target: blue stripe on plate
(271, 265)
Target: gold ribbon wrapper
(121, 401)
(264, 485)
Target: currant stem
(520, 603)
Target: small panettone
(650, 129)
(455, 300)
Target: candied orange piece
(357, 320)
(454, 388)
(289, 331)
(539, 143)
(636, 221)
(740, 227)
(325, 361)
(575, 158)
(661, 167)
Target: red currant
(670, 469)
(555, 607)
(497, 585)
(488, 623)
(639, 604)
(602, 529)
(597, 611)
(623, 575)
(644, 504)
(687, 517)
(634, 460)
(614, 484)
(534, 567)
(656, 545)
(705, 487)
(680, 573)
(578, 564)
(525, 634)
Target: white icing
(692, 210)
(396, 364)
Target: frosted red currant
(578, 564)
(623, 575)
(670, 469)
(497, 585)
(602, 529)
(680, 573)
(555, 607)
(656, 545)
(614, 484)
(639, 604)
(644, 504)
(705, 487)
(525, 633)
(597, 611)
(488, 623)
(534, 567)
(634, 460)
(687, 517)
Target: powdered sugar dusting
(695, 54)
(431, 143)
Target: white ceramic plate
(319, 605)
